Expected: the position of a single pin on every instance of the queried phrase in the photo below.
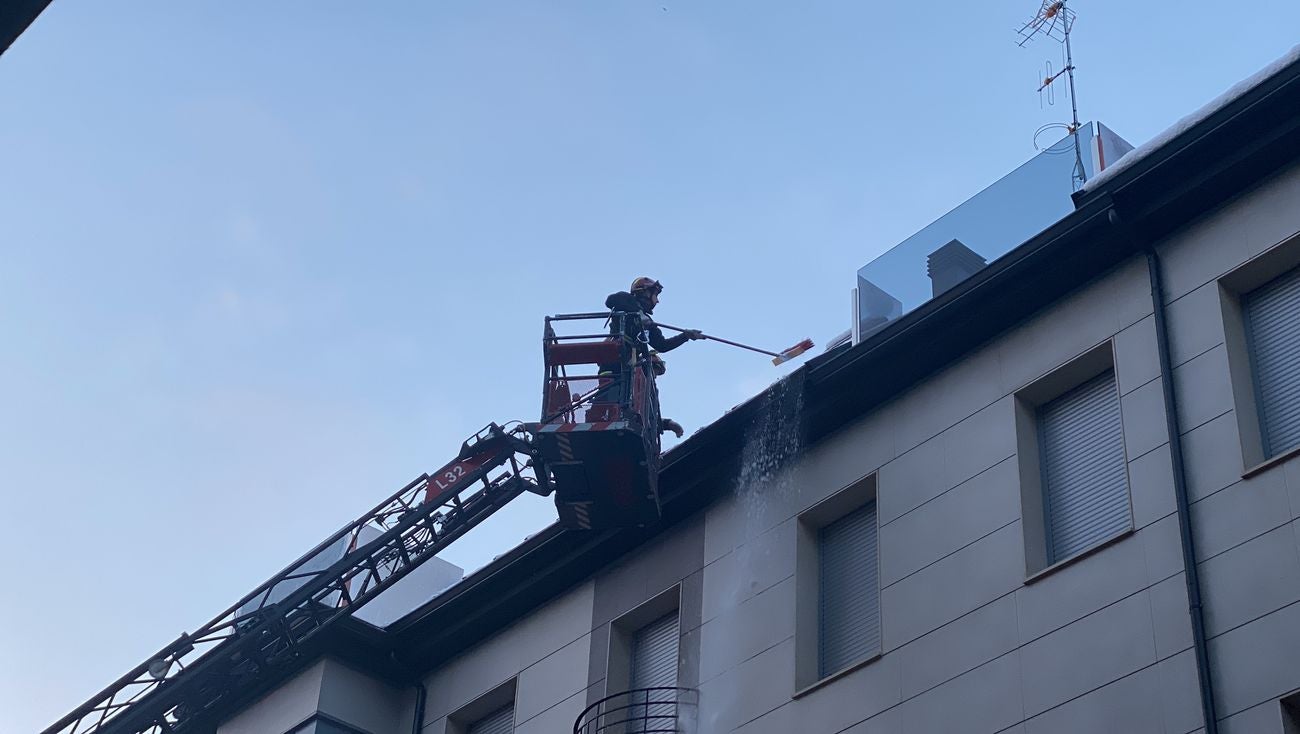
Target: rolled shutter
(1271, 316)
(501, 721)
(654, 665)
(654, 654)
(1084, 478)
(849, 592)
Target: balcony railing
(639, 711)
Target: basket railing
(660, 710)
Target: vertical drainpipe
(1190, 574)
(421, 695)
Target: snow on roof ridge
(1159, 141)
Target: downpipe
(1195, 608)
(421, 693)
(421, 696)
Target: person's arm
(660, 343)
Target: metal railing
(639, 711)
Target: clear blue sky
(263, 263)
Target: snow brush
(777, 357)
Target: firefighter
(638, 303)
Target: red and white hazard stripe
(574, 427)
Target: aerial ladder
(596, 448)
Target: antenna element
(1054, 20)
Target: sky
(261, 264)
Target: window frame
(807, 674)
(1233, 289)
(1034, 520)
(1289, 712)
(500, 696)
(618, 659)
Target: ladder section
(173, 689)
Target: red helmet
(646, 284)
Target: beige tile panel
(1250, 580)
(1256, 663)
(514, 649)
(1081, 588)
(738, 634)
(1240, 512)
(1203, 388)
(950, 521)
(1137, 360)
(960, 583)
(1088, 654)
(555, 678)
(1130, 704)
(749, 570)
(1195, 323)
(984, 700)
(958, 647)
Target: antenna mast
(1055, 21)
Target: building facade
(978, 519)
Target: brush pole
(719, 339)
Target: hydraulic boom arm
(174, 689)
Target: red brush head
(794, 351)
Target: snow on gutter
(1159, 141)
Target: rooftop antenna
(1055, 20)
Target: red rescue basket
(599, 433)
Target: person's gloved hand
(694, 334)
(668, 424)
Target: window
(654, 654)
(837, 586)
(490, 713)
(1291, 713)
(1074, 486)
(1085, 480)
(848, 609)
(644, 653)
(1259, 302)
(653, 665)
(644, 645)
(501, 721)
(1273, 341)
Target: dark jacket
(626, 302)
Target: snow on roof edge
(1178, 128)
